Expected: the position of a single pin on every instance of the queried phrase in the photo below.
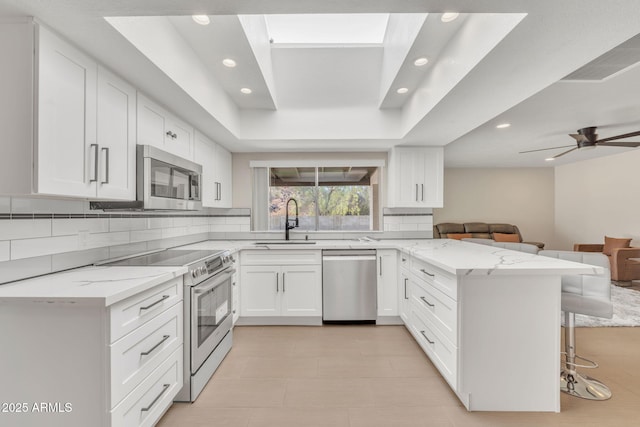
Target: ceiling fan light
(402, 90)
(201, 19)
(420, 62)
(246, 90)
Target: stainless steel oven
(208, 317)
(211, 316)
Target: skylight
(362, 28)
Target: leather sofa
(623, 269)
(481, 230)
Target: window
(335, 198)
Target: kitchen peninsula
(480, 314)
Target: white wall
(523, 197)
(598, 197)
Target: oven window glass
(213, 307)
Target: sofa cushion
(502, 228)
(611, 243)
(458, 236)
(506, 237)
(476, 227)
(449, 227)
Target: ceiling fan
(588, 138)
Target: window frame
(260, 210)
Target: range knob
(203, 270)
(194, 274)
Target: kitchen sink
(286, 242)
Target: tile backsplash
(39, 236)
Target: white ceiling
(493, 65)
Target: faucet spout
(288, 222)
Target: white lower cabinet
(430, 314)
(116, 366)
(387, 273)
(404, 276)
(282, 292)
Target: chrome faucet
(287, 221)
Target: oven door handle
(217, 281)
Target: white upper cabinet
(116, 137)
(415, 177)
(66, 149)
(216, 172)
(160, 128)
(69, 125)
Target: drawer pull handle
(426, 272)
(405, 288)
(164, 297)
(427, 302)
(148, 352)
(427, 338)
(165, 387)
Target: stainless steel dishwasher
(349, 286)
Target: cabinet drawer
(144, 406)
(444, 281)
(131, 313)
(442, 353)
(276, 256)
(439, 308)
(136, 355)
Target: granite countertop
(101, 285)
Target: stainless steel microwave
(164, 181)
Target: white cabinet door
(181, 141)
(433, 177)
(205, 155)
(116, 113)
(66, 151)
(416, 177)
(151, 123)
(301, 290)
(260, 290)
(223, 167)
(387, 265)
(161, 129)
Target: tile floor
(370, 376)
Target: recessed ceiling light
(503, 125)
(549, 159)
(420, 62)
(449, 16)
(228, 62)
(201, 19)
(246, 90)
(403, 90)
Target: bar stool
(589, 295)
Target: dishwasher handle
(349, 258)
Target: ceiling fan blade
(545, 149)
(623, 136)
(578, 137)
(619, 144)
(562, 154)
